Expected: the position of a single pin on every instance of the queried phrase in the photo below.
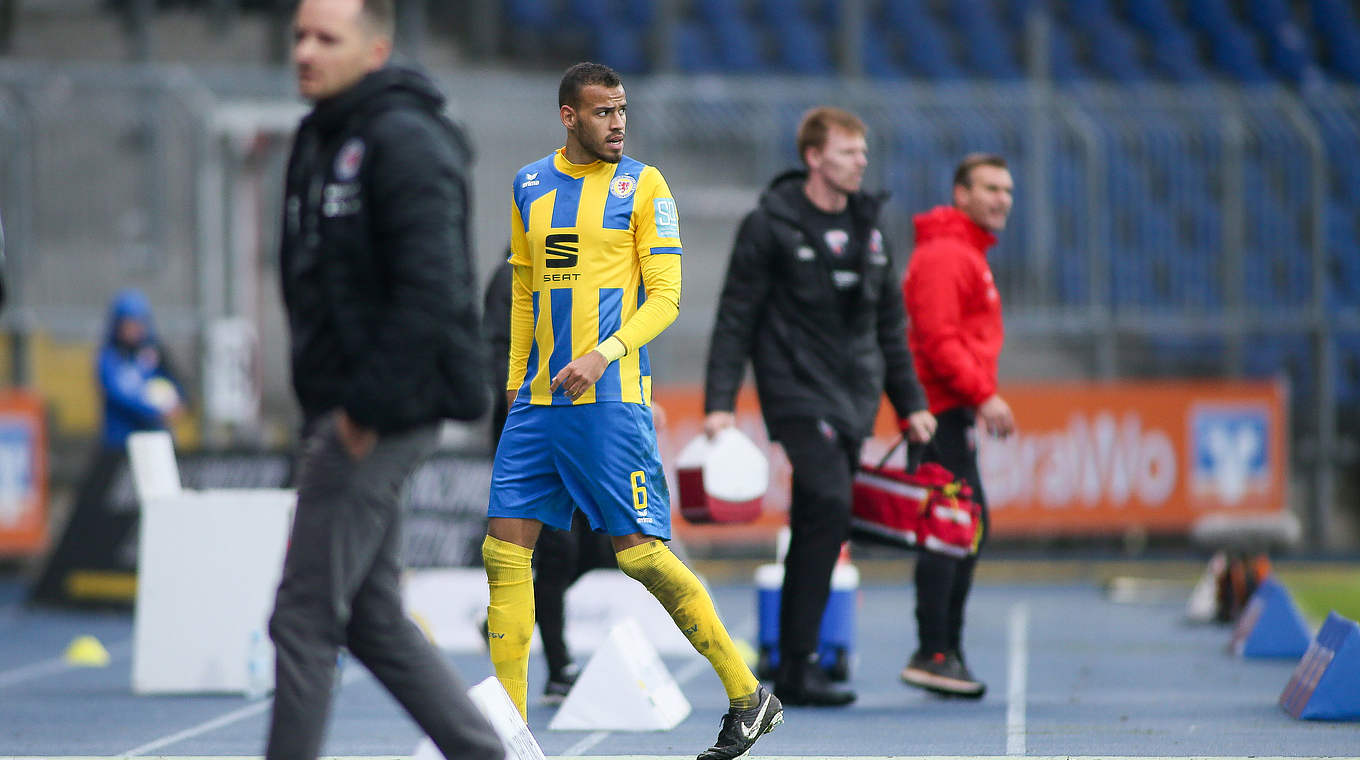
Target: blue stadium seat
(925, 49)
(716, 12)
(1208, 15)
(1062, 57)
(1335, 23)
(802, 48)
(877, 55)
(903, 15)
(638, 14)
(1288, 55)
(1153, 17)
(1232, 48)
(1132, 279)
(740, 46)
(1074, 277)
(1171, 52)
(986, 46)
(1343, 241)
(622, 46)
(1286, 43)
(1017, 11)
(1270, 356)
(534, 15)
(1087, 15)
(1347, 377)
(1235, 52)
(1266, 15)
(1187, 355)
(694, 49)
(593, 13)
(1114, 51)
(779, 12)
(1173, 56)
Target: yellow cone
(87, 652)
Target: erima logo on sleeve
(530, 180)
(667, 218)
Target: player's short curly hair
(580, 76)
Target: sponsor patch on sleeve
(667, 218)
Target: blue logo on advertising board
(1230, 450)
(16, 469)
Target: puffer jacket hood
(129, 304)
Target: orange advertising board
(23, 474)
(1100, 458)
(1088, 458)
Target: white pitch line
(241, 713)
(1019, 669)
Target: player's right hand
(716, 422)
(577, 377)
(996, 416)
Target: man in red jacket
(955, 334)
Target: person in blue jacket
(140, 389)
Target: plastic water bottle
(259, 666)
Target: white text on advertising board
(1096, 458)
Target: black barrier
(445, 512)
(95, 561)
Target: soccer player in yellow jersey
(595, 245)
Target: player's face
(988, 197)
(334, 47)
(841, 160)
(598, 121)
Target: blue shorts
(600, 458)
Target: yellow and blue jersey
(596, 251)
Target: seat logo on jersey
(560, 251)
(623, 186)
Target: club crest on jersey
(349, 158)
(623, 186)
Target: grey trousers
(340, 585)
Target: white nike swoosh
(753, 730)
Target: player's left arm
(656, 240)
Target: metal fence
(1156, 232)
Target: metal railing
(1156, 231)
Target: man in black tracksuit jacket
(811, 299)
(382, 312)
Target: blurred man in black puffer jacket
(810, 299)
(382, 311)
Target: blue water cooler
(835, 641)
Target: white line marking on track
(54, 665)
(589, 741)
(352, 673)
(1015, 682)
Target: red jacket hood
(949, 222)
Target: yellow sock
(510, 615)
(673, 584)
